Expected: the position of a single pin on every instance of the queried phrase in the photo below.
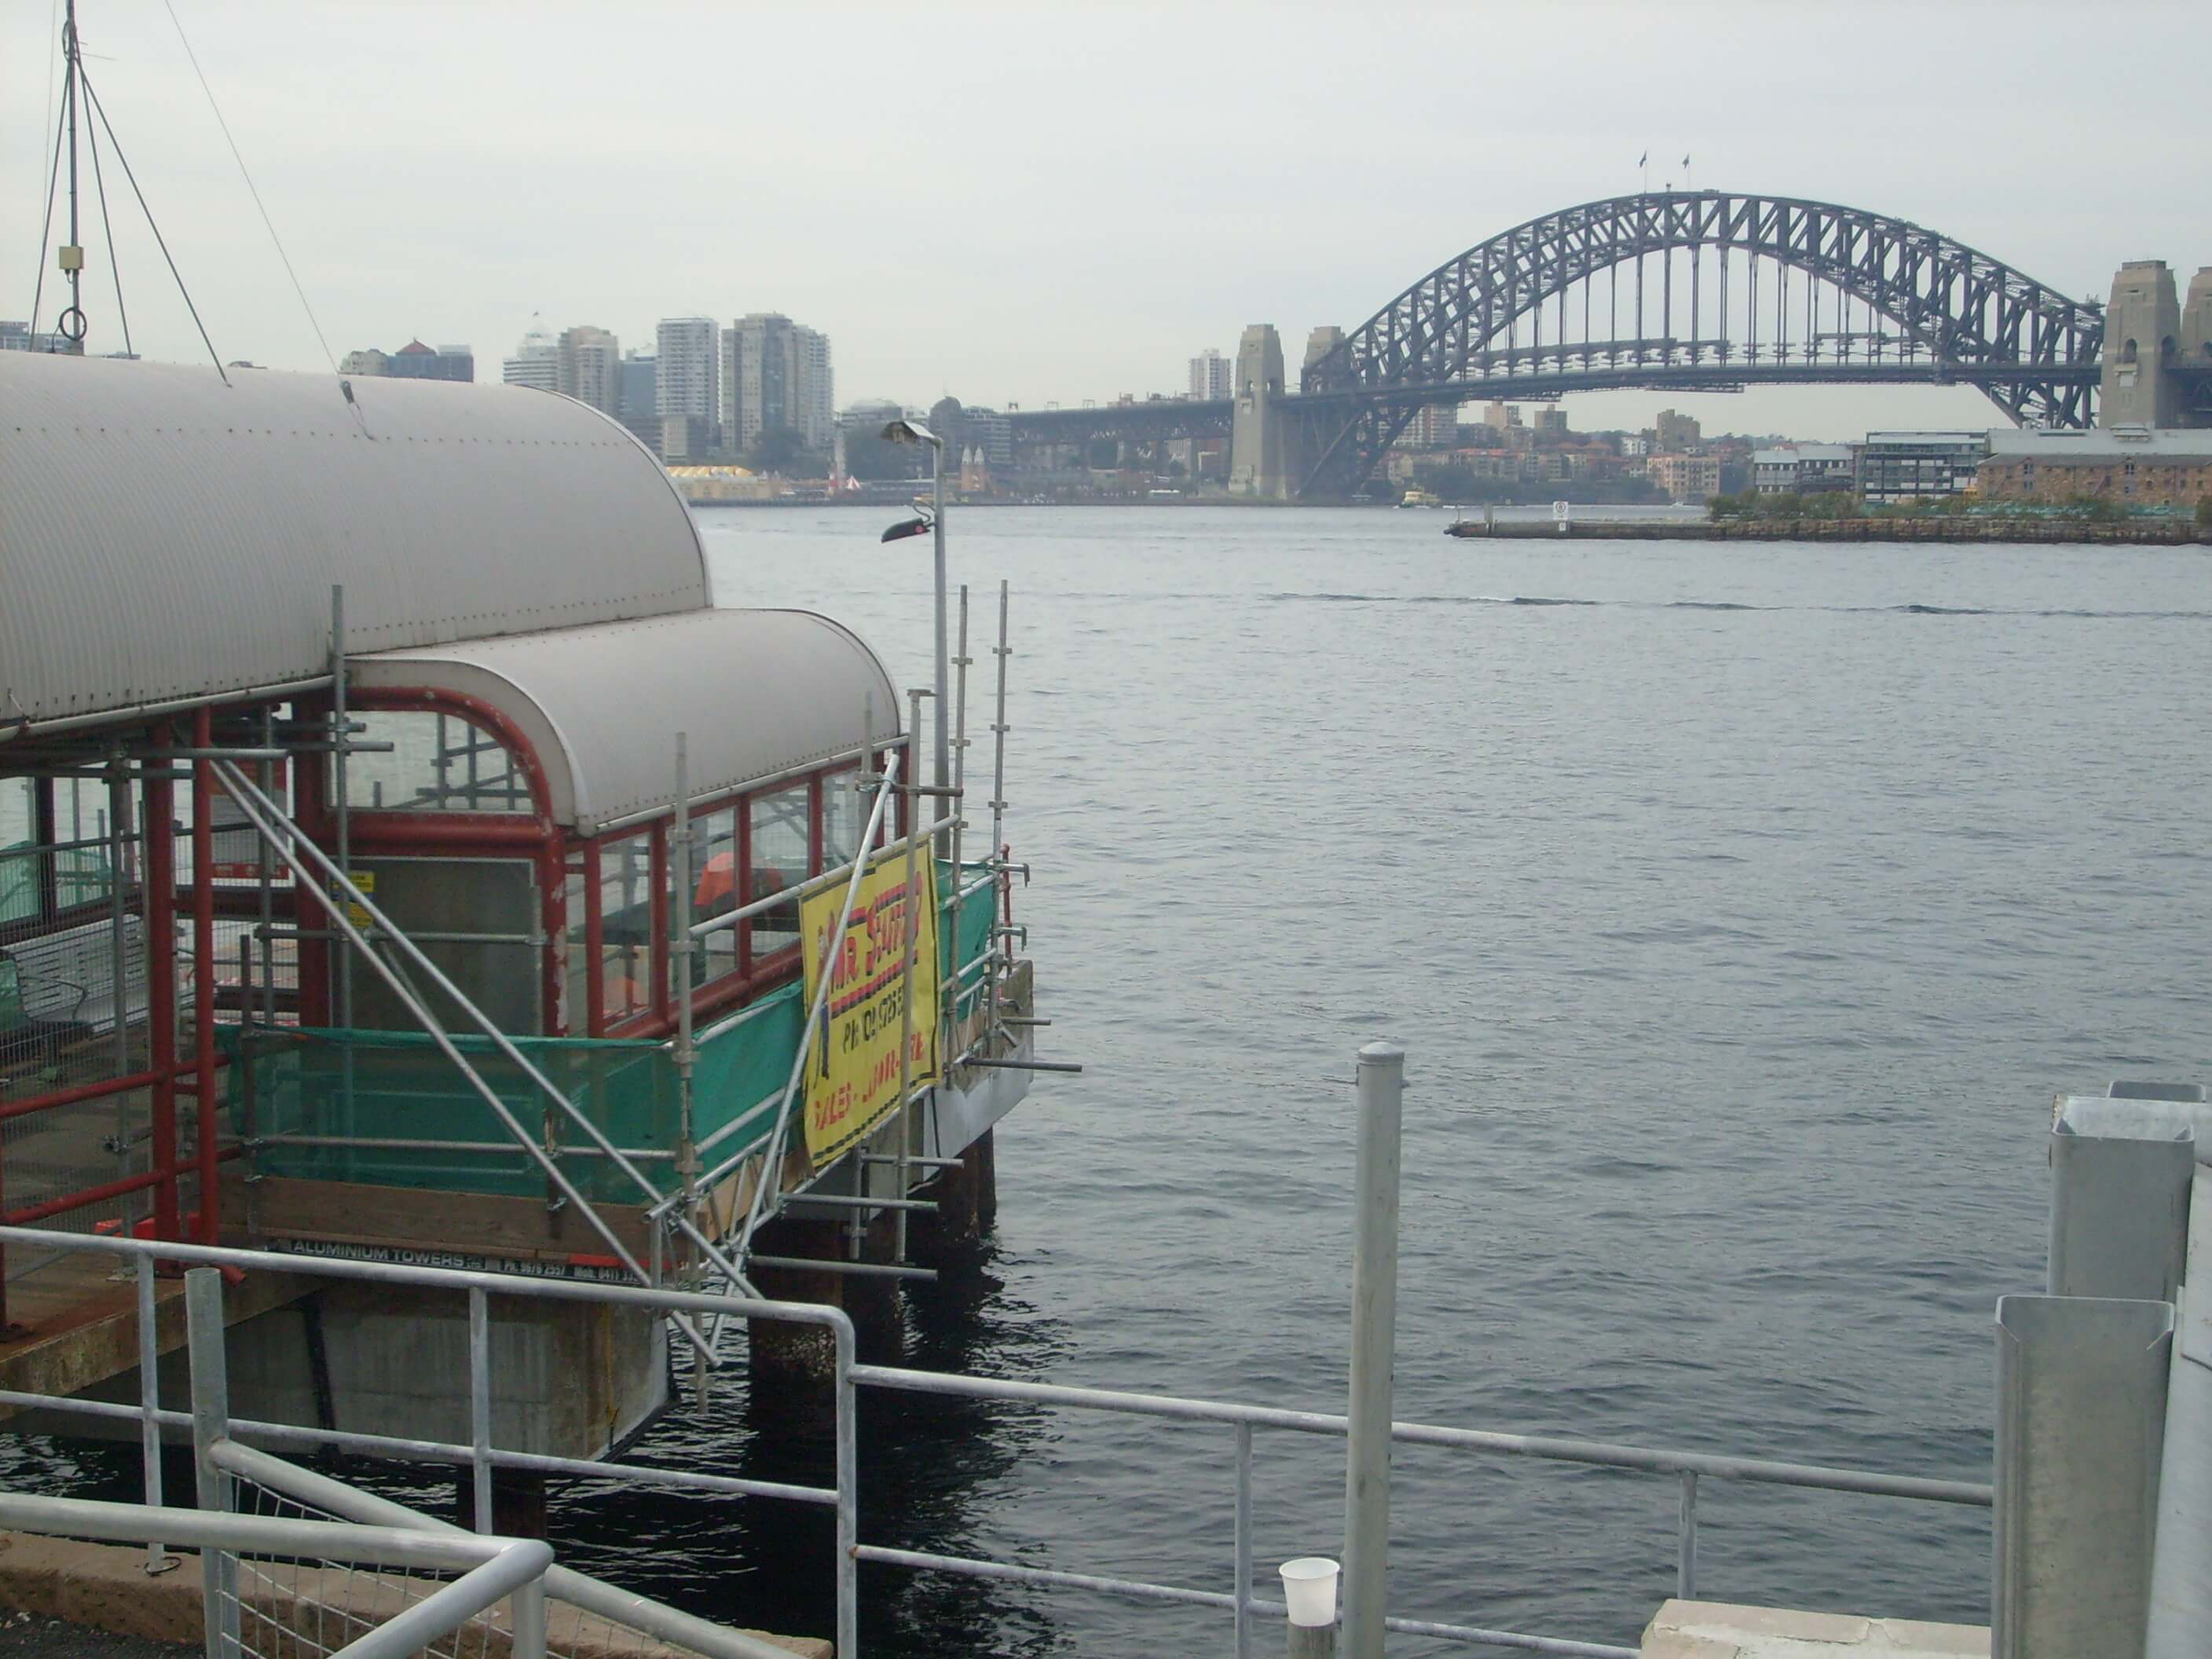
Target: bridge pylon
(2143, 327)
(1259, 427)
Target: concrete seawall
(1837, 529)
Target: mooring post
(1309, 1596)
(211, 1423)
(1374, 1338)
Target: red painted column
(203, 969)
(595, 947)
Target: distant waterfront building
(687, 387)
(775, 372)
(1212, 376)
(1434, 426)
(412, 362)
(20, 336)
(1550, 420)
(535, 364)
(1685, 477)
(1672, 434)
(1896, 467)
(589, 366)
(2128, 466)
(1802, 469)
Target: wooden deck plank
(79, 1320)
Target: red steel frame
(535, 837)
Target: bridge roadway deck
(1172, 417)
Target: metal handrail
(261, 812)
(491, 1569)
(828, 879)
(1689, 1467)
(779, 1136)
(479, 1287)
(561, 1583)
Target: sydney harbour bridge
(1691, 291)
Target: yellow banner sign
(853, 1067)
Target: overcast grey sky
(1031, 202)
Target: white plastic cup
(1310, 1587)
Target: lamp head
(905, 431)
(921, 525)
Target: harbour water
(1741, 907)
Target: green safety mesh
(80, 878)
(397, 1086)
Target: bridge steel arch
(1962, 317)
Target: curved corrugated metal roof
(165, 537)
(755, 692)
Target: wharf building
(412, 362)
(775, 372)
(1802, 469)
(687, 389)
(452, 691)
(1896, 469)
(2130, 466)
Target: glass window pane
(715, 892)
(626, 927)
(575, 1012)
(20, 865)
(844, 815)
(437, 763)
(780, 849)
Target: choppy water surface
(1741, 907)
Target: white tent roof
(755, 692)
(165, 537)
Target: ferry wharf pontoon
(402, 857)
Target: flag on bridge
(1644, 159)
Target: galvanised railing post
(480, 1405)
(529, 1608)
(1686, 1542)
(211, 1423)
(1244, 1586)
(1373, 1339)
(149, 1408)
(848, 1493)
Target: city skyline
(494, 198)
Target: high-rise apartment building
(1212, 376)
(535, 364)
(637, 404)
(589, 366)
(776, 373)
(687, 387)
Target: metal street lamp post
(904, 431)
